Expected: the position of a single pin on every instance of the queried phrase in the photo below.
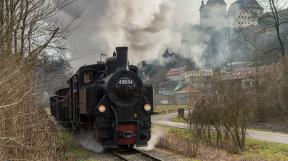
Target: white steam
(87, 141)
(156, 135)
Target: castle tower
(213, 14)
(244, 13)
(202, 13)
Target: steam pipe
(122, 58)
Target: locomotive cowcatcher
(108, 98)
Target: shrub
(26, 131)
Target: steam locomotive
(108, 98)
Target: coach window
(88, 77)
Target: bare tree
(28, 28)
(221, 118)
(276, 20)
(277, 25)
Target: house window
(88, 77)
(247, 84)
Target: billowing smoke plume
(147, 27)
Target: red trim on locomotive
(126, 134)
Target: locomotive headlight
(147, 107)
(102, 108)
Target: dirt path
(165, 119)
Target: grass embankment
(266, 150)
(179, 120)
(164, 109)
(75, 152)
(179, 140)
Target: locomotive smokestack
(122, 58)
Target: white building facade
(244, 13)
(241, 13)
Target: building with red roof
(176, 74)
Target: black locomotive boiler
(108, 98)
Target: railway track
(134, 155)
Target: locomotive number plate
(125, 82)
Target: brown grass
(188, 147)
(26, 131)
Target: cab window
(88, 77)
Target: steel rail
(133, 151)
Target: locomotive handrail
(116, 120)
(60, 100)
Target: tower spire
(202, 4)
